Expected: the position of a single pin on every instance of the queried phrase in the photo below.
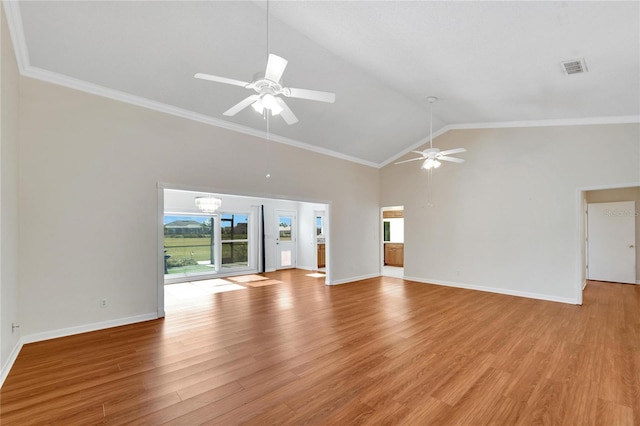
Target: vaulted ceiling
(490, 63)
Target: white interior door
(611, 241)
(286, 239)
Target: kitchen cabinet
(394, 254)
(321, 256)
(389, 214)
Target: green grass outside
(194, 249)
(183, 247)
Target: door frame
(294, 237)
(382, 242)
(594, 210)
(581, 232)
(321, 214)
(161, 186)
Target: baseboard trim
(507, 292)
(64, 332)
(4, 372)
(306, 268)
(354, 279)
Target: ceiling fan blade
(413, 159)
(453, 151)
(275, 68)
(286, 113)
(419, 152)
(224, 80)
(241, 105)
(313, 95)
(452, 159)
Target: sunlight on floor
(316, 275)
(198, 293)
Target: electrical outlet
(103, 303)
(14, 326)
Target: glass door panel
(189, 246)
(234, 239)
(285, 240)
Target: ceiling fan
(431, 155)
(269, 90)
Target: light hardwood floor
(380, 351)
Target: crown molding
(624, 119)
(16, 31)
(585, 121)
(83, 86)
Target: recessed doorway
(245, 235)
(392, 250)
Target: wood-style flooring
(379, 351)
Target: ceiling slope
(490, 63)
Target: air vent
(574, 66)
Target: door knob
(631, 246)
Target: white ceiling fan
(269, 90)
(431, 155)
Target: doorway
(392, 248)
(286, 239)
(628, 213)
(320, 241)
(604, 194)
(238, 238)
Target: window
(202, 245)
(188, 244)
(234, 238)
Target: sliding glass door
(234, 240)
(200, 245)
(189, 244)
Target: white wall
(508, 218)
(89, 169)
(9, 105)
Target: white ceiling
(488, 62)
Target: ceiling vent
(574, 66)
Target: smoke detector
(574, 66)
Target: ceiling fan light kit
(433, 156)
(269, 92)
(431, 163)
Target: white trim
(64, 332)
(6, 368)
(83, 86)
(582, 244)
(354, 279)
(585, 121)
(507, 292)
(623, 119)
(16, 31)
(160, 281)
(306, 268)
